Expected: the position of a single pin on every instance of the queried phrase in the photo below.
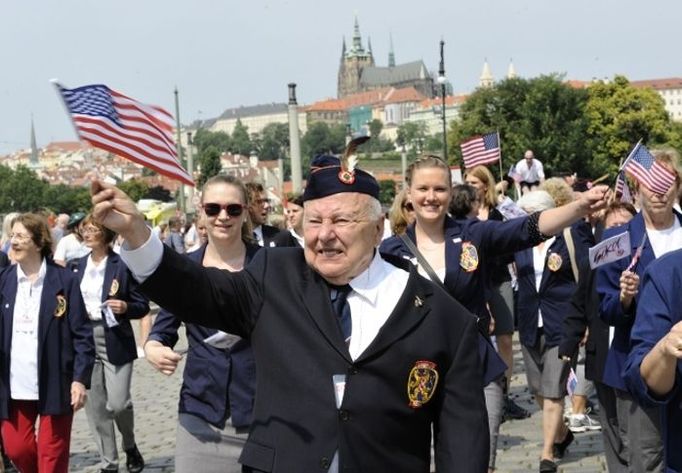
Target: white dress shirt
(91, 287)
(539, 258)
(23, 370)
(533, 173)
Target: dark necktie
(339, 298)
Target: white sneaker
(582, 423)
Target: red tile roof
(407, 94)
(659, 84)
(450, 100)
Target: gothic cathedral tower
(352, 63)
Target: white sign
(611, 249)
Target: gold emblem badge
(468, 259)
(422, 382)
(554, 261)
(114, 287)
(347, 177)
(60, 310)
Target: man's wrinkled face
(340, 235)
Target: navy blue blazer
(66, 350)
(553, 298)
(659, 311)
(490, 238)
(216, 383)
(119, 340)
(610, 309)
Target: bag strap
(568, 236)
(422, 261)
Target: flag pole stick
(58, 87)
(499, 143)
(179, 147)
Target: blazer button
(344, 415)
(325, 463)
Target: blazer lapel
(9, 295)
(453, 251)
(109, 273)
(545, 273)
(409, 312)
(315, 296)
(48, 304)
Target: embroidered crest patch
(468, 259)
(554, 261)
(60, 310)
(114, 287)
(422, 382)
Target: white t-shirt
(23, 370)
(667, 240)
(70, 248)
(534, 173)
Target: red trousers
(49, 453)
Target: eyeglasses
(91, 231)
(19, 237)
(233, 210)
(263, 201)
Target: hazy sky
(226, 53)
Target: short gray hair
(536, 201)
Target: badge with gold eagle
(422, 382)
(60, 310)
(114, 287)
(468, 259)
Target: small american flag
(649, 172)
(622, 189)
(116, 123)
(480, 150)
(571, 382)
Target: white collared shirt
(23, 370)
(91, 287)
(372, 301)
(258, 233)
(533, 173)
(298, 237)
(539, 259)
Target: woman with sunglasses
(46, 351)
(218, 386)
(112, 300)
(458, 251)
(401, 213)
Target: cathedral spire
(486, 79)
(391, 53)
(343, 49)
(357, 39)
(34, 147)
(369, 46)
(511, 72)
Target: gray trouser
(200, 446)
(641, 432)
(494, 402)
(109, 402)
(614, 447)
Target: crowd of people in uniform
(294, 332)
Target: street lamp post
(441, 81)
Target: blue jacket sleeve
(655, 317)
(81, 332)
(165, 329)
(608, 287)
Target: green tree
(322, 139)
(241, 141)
(387, 191)
(210, 165)
(21, 190)
(159, 193)
(543, 114)
(412, 135)
(135, 188)
(618, 115)
(204, 138)
(61, 198)
(273, 141)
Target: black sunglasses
(233, 210)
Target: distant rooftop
(659, 84)
(372, 76)
(254, 111)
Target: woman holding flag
(655, 231)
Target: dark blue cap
(327, 178)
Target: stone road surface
(155, 397)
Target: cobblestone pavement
(155, 397)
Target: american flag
(121, 125)
(622, 189)
(649, 172)
(480, 150)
